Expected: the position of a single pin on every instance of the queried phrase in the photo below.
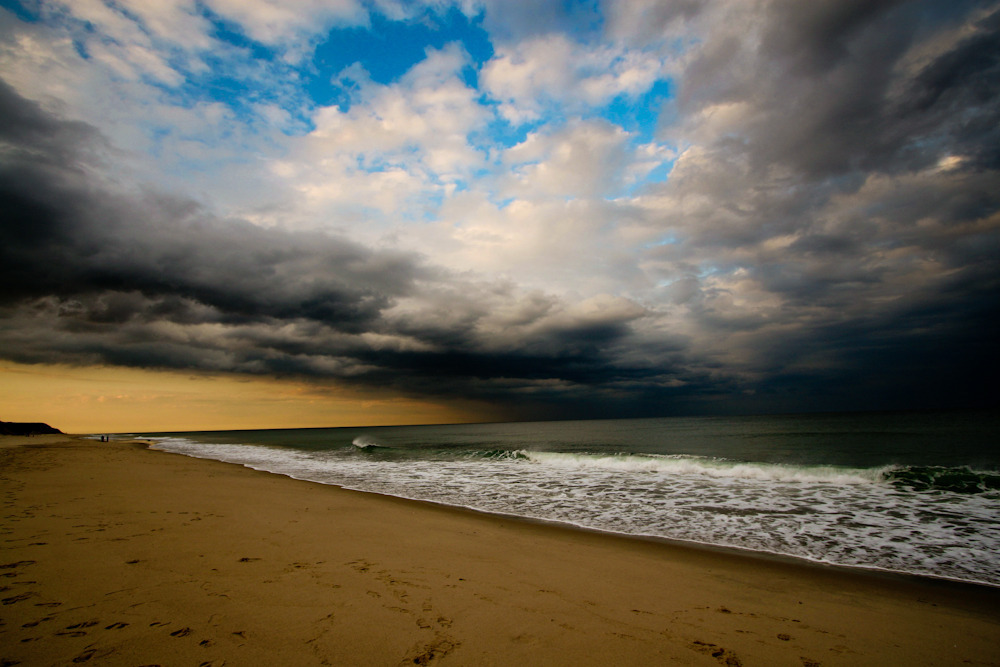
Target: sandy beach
(117, 555)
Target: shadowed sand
(116, 555)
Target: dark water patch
(940, 478)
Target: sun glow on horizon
(121, 400)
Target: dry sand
(116, 555)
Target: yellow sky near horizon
(101, 399)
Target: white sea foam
(689, 465)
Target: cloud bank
(651, 208)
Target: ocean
(916, 493)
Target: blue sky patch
(387, 50)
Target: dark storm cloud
(31, 135)
(817, 35)
(952, 101)
(840, 225)
(830, 91)
(91, 275)
(63, 235)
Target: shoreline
(261, 567)
(678, 543)
(737, 551)
(960, 587)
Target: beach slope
(113, 554)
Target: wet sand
(116, 555)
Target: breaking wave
(367, 444)
(707, 466)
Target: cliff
(26, 428)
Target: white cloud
(430, 108)
(108, 22)
(646, 21)
(178, 22)
(394, 142)
(120, 37)
(549, 217)
(583, 159)
(551, 72)
(280, 22)
(566, 246)
(135, 61)
(518, 76)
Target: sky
(254, 213)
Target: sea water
(908, 492)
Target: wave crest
(367, 443)
(711, 467)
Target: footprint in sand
(34, 623)
(183, 632)
(116, 626)
(18, 598)
(72, 633)
(434, 651)
(85, 656)
(724, 656)
(361, 566)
